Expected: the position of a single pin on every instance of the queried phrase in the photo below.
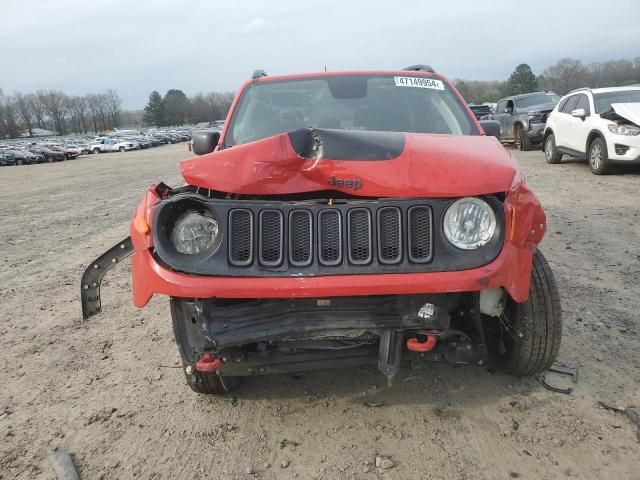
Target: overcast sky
(83, 46)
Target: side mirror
(579, 113)
(492, 128)
(508, 110)
(205, 141)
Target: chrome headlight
(469, 223)
(628, 130)
(195, 233)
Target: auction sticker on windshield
(419, 82)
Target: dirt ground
(108, 391)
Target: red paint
(208, 363)
(415, 345)
(429, 166)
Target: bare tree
(25, 111)
(113, 104)
(9, 121)
(39, 108)
(56, 103)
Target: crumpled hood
(630, 111)
(376, 164)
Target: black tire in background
(597, 157)
(19, 162)
(551, 154)
(524, 143)
(533, 330)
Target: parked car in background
(103, 145)
(480, 111)
(48, 154)
(24, 157)
(523, 117)
(600, 124)
(6, 159)
(68, 153)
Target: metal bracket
(93, 275)
(390, 355)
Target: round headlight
(195, 233)
(469, 223)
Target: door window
(570, 105)
(583, 102)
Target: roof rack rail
(420, 68)
(579, 90)
(258, 74)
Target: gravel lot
(108, 390)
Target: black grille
(359, 236)
(271, 232)
(300, 238)
(241, 237)
(420, 234)
(389, 235)
(330, 237)
(318, 237)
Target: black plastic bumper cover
(93, 275)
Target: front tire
(551, 154)
(534, 328)
(207, 383)
(96, 151)
(598, 161)
(122, 149)
(211, 384)
(19, 162)
(522, 140)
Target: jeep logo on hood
(353, 183)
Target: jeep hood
(630, 111)
(370, 164)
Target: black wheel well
(591, 137)
(547, 132)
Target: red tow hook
(414, 345)
(208, 363)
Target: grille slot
(271, 241)
(330, 237)
(359, 239)
(300, 238)
(389, 235)
(241, 237)
(420, 243)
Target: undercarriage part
(93, 275)
(262, 363)
(390, 353)
(492, 302)
(415, 345)
(203, 325)
(208, 363)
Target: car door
(500, 115)
(564, 122)
(579, 127)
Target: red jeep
(344, 219)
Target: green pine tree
(154, 111)
(522, 80)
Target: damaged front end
(254, 337)
(329, 256)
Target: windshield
(603, 101)
(540, 99)
(349, 102)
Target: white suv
(600, 124)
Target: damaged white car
(601, 125)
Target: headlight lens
(195, 233)
(627, 130)
(469, 223)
